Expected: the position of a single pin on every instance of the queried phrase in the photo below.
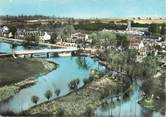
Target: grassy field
(15, 70)
(145, 21)
(80, 103)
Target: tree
(54, 38)
(150, 66)
(163, 29)
(13, 30)
(104, 39)
(66, 32)
(32, 39)
(107, 38)
(86, 81)
(117, 61)
(57, 92)
(122, 41)
(48, 94)
(73, 84)
(82, 63)
(94, 39)
(34, 99)
(130, 65)
(154, 28)
(131, 71)
(130, 56)
(13, 46)
(123, 61)
(60, 112)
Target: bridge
(60, 45)
(42, 51)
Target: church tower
(129, 28)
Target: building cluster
(74, 40)
(144, 44)
(22, 34)
(78, 37)
(45, 36)
(5, 32)
(138, 40)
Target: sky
(84, 8)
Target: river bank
(153, 97)
(62, 105)
(153, 105)
(16, 74)
(81, 103)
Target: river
(126, 107)
(67, 70)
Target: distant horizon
(120, 17)
(84, 8)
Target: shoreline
(152, 107)
(7, 91)
(59, 100)
(77, 104)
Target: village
(126, 54)
(139, 37)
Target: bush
(73, 84)
(101, 74)
(32, 39)
(91, 78)
(57, 92)
(60, 112)
(89, 111)
(86, 81)
(35, 99)
(48, 94)
(105, 93)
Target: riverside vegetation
(123, 67)
(122, 64)
(81, 101)
(22, 74)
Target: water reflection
(71, 68)
(126, 106)
(57, 79)
(6, 47)
(82, 63)
(10, 47)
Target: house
(77, 36)
(134, 41)
(87, 39)
(45, 38)
(10, 35)
(5, 31)
(142, 49)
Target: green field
(15, 70)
